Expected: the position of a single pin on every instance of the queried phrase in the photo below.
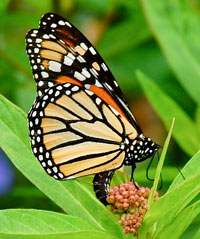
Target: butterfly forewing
(59, 52)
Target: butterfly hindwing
(74, 133)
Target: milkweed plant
(139, 212)
(132, 212)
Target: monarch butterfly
(79, 123)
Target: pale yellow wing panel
(93, 165)
(67, 153)
(97, 130)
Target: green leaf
(175, 25)
(185, 131)
(3, 6)
(135, 35)
(197, 233)
(159, 167)
(141, 57)
(30, 221)
(96, 7)
(23, 223)
(192, 168)
(197, 117)
(72, 196)
(165, 210)
(179, 224)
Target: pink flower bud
(130, 204)
(138, 224)
(125, 194)
(110, 199)
(137, 204)
(125, 205)
(119, 197)
(132, 198)
(122, 189)
(119, 205)
(132, 230)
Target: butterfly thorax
(139, 149)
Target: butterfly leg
(101, 183)
(132, 171)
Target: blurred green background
(126, 37)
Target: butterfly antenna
(148, 167)
(132, 179)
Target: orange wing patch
(68, 38)
(103, 94)
(67, 79)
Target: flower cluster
(130, 203)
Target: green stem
(160, 165)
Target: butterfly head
(141, 149)
(144, 149)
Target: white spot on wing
(55, 169)
(61, 22)
(92, 50)
(80, 59)
(86, 73)
(83, 46)
(68, 61)
(75, 88)
(53, 25)
(94, 72)
(70, 55)
(79, 76)
(98, 101)
(44, 74)
(38, 40)
(36, 50)
(89, 92)
(104, 66)
(40, 83)
(45, 36)
(68, 24)
(54, 66)
(97, 83)
(52, 36)
(115, 82)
